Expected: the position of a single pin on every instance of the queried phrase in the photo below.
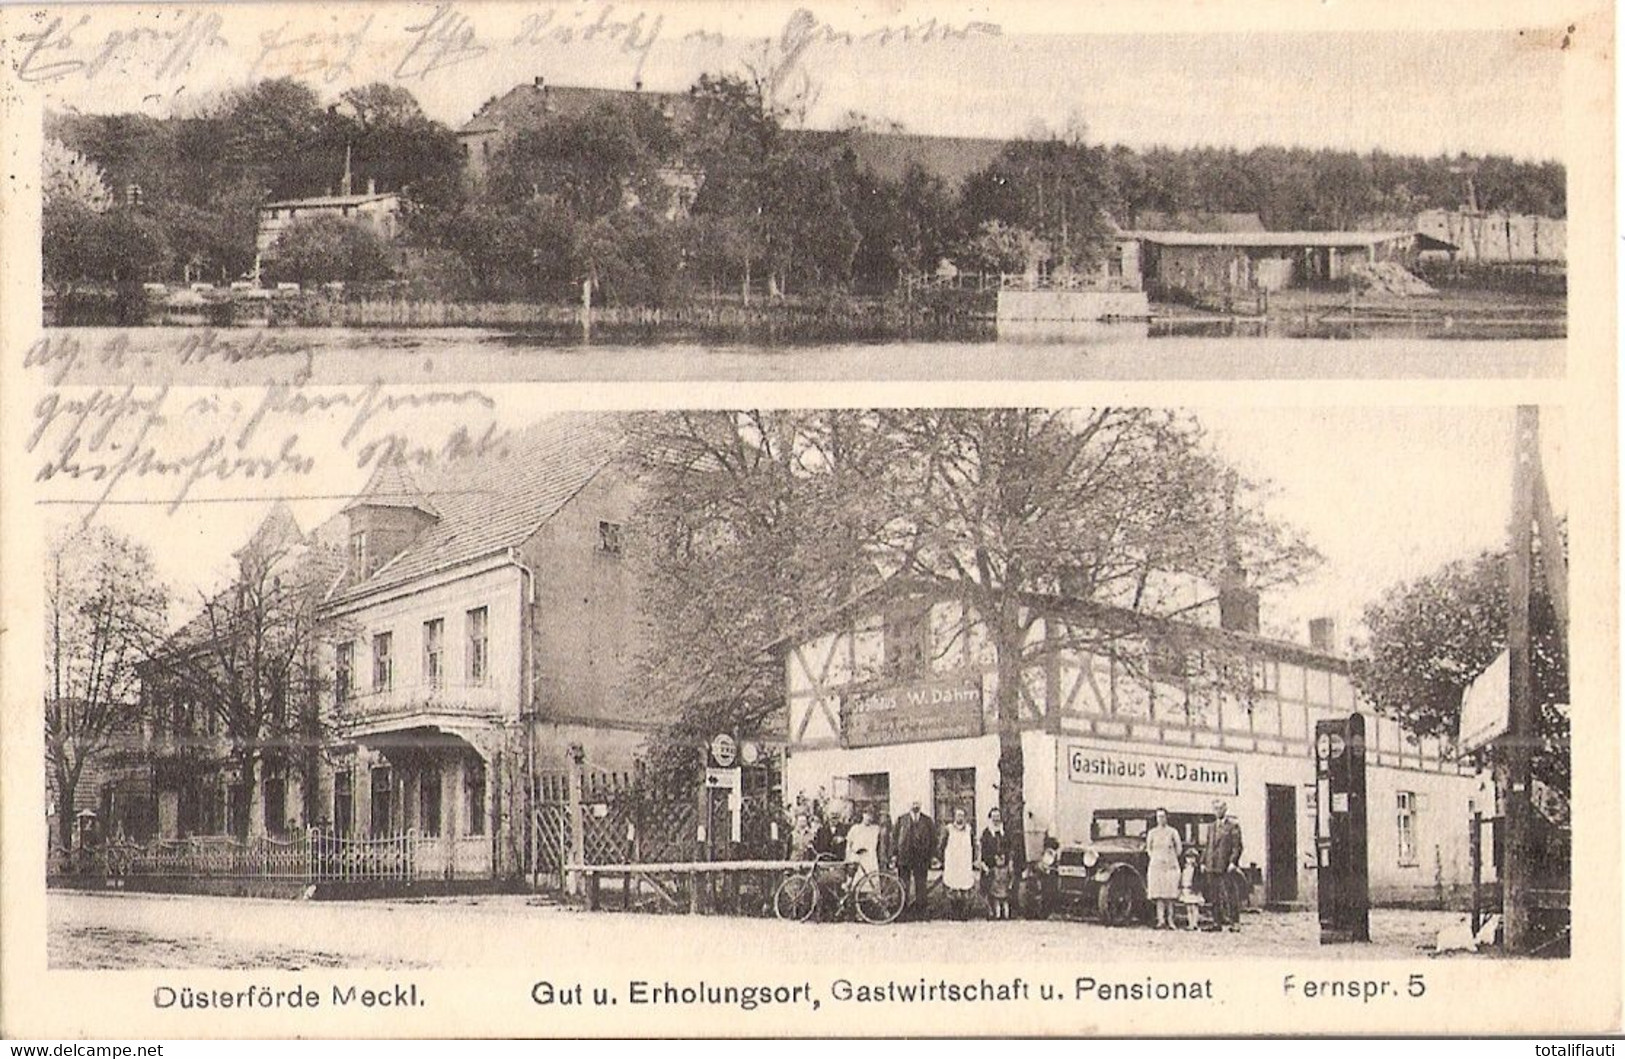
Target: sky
(1385, 494)
(1422, 92)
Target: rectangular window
(358, 553)
(907, 639)
(474, 796)
(433, 651)
(871, 791)
(344, 671)
(1266, 677)
(1405, 819)
(276, 805)
(609, 538)
(344, 802)
(383, 666)
(479, 662)
(429, 801)
(383, 801)
(953, 789)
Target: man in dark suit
(914, 844)
(1222, 856)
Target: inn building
(477, 631)
(893, 699)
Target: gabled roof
(495, 500)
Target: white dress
(957, 860)
(1162, 873)
(863, 846)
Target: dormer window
(609, 538)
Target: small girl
(999, 889)
(1189, 896)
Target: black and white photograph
(1134, 679)
(714, 519)
(819, 204)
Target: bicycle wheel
(879, 897)
(796, 898)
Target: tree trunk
(66, 787)
(1007, 640)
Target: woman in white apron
(958, 852)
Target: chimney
(1238, 601)
(1323, 635)
(637, 86)
(372, 186)
(1238, 606)
(539, 82)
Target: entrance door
(383, 808)
(1281, 837)
(953, 789)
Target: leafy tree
(749, 522)
(1428, 639)
(395, 144)
(250, 659)
(994, 506)
(323, 249)
(758, 522)
(593, 164)
(105, 612)
(998, 247)
(1057, 189)
(69, 179)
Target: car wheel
(1121, 899)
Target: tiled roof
(391, 485)
(497, 499)
(525, 101)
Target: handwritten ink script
(424, 44)
(138, 444)
(68, 45)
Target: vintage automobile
(1106, 877)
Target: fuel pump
(1340, 831)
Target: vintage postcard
(722, 519)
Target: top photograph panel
(592, 192)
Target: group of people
(1185, 877)
(913, 844)
(1179, 877)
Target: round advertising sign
(724, 751)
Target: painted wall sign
(913, 713)
(1157, 771)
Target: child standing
(1190, 896)
(999, 889)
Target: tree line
(652, 205)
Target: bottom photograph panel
(952, 686)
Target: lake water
(116, 356)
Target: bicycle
(876, 896)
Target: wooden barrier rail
(698, 878)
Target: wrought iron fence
(312, 855)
